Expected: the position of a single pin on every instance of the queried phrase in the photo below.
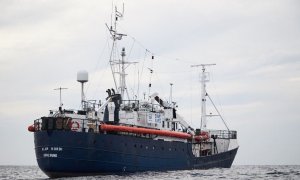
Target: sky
(255, 84)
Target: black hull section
(67, 153)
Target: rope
(218, 111)
(97, 65)
(141, 75)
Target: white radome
(82, 76)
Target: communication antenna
(171, 86)
(119, 14)
(60, 101)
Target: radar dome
(82, 76)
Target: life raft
(74, 126)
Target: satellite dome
(82, 76)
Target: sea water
(235, 172)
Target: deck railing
(89, 125)
(66, 124)
(224, 134)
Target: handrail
(91, 125)
(223, 134)
(66, 124)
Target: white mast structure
(118, 66)
(171, 103)
(204, 78)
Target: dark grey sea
(235, 172)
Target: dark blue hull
(67, 153)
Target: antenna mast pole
(122, 73)
(171, 85)
(60, 101)
(203, 80)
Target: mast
(171, 86)
(115, 37)
(117, 65)
(122, 74)
(203, 79)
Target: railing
(77, 125)
(136, 105)
(224, 134)
(89, 125)
(66, 124)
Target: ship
(128, 135)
